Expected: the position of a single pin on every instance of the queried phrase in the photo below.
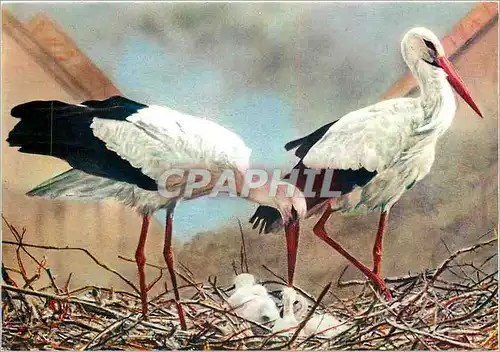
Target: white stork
(373, 155)
(120, 149)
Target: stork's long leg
(292, 242)
(168, 254)
(140, 259)
(319, 230)
(377, 247)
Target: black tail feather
(116, 102)
(34, 109)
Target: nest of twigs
(453, 306)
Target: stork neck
(279, 197)
(261, 195)
(436, 96)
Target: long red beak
(292, 230)
(457, 83)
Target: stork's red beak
(457, 83)
(292, 230)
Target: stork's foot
(180, 313)
(144, 303)
(142, 286)
(140, 259)
(380, 284)
(377, 280)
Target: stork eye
(430, 45)
(265, 318)
(432, 53)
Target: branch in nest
(444, 264)
(97, 261)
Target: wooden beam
(56, 53)
(454, 42)
(65, 52)
(13, 28)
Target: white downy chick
(288, 320)
(294, 310)
(252, 301)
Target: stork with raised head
(373, 155)
(120, 149)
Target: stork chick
(251, 301)
(294, 310)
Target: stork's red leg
(292, 242)
(168, 254)
(140, 259)
(377, 247)
(319, 230)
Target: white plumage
(288, 321)
(324, 325)
(76, 184)
(372, 137)
(156, 139)
(252, 301)
(295, 310)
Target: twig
(66, 285)
(443, 265)
(146, 264)
(98, 309)
(310, 314)
(21, 245)
(474, 311)
(434, 335)
(107, 331)
(243, 250)
(67, 248)
(275, 275)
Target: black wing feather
(304, 144)
(63, 130)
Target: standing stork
(120, 149)
(373, 155)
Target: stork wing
(156, 139)
(370, 138)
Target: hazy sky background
(270, 72)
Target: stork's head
(420, 44)
(291, 206)
(422, 49)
